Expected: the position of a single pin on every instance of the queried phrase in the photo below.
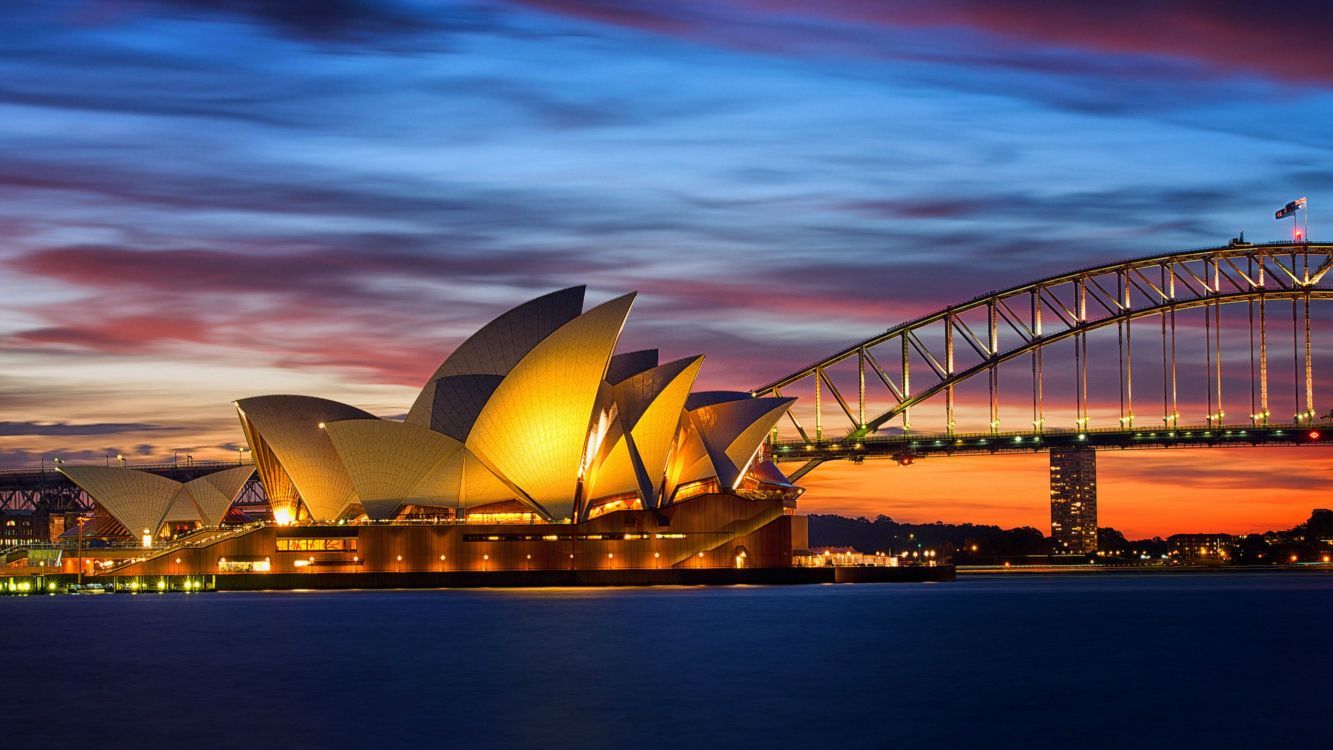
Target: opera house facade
(534, 446)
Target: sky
(202, 201)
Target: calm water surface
(1228, 660)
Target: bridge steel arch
(1025, 319)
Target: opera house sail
(533, 445)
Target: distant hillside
(970, 543)
(886, 535)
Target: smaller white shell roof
(138, 500)
(214, 493)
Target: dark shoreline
(502, 579)
(994, 570)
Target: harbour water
(1115, 661)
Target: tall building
(1073, 501)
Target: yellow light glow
(282, 516)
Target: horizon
(204, 204)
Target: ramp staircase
(193, 541)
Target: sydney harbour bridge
(1203, 348)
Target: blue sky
(202, 201)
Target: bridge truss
(928, 359)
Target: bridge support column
(1073, 501)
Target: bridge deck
(906, 447)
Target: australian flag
(1289, 209)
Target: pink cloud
(1231, 37)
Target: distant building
(1196, 547)
(818, 557)
(23, 527)
(1073, 501)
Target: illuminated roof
(497, 348)
(689, 461)
(214, 493)
(534, 428)
(534, 408)
(140, 500)
(649, 407)
(732, 431)
(183, 508)
(391, 463)
(137, 499)
(289, 428)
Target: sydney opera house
(534, 446)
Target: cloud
(332, 274)
(376, 313)
(1225, 37)
(11, 429)
(364, 22)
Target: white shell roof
(290, 426)
(214, 493)
(533, 431)
(138, 500)
(650, 405)
(499, 345)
